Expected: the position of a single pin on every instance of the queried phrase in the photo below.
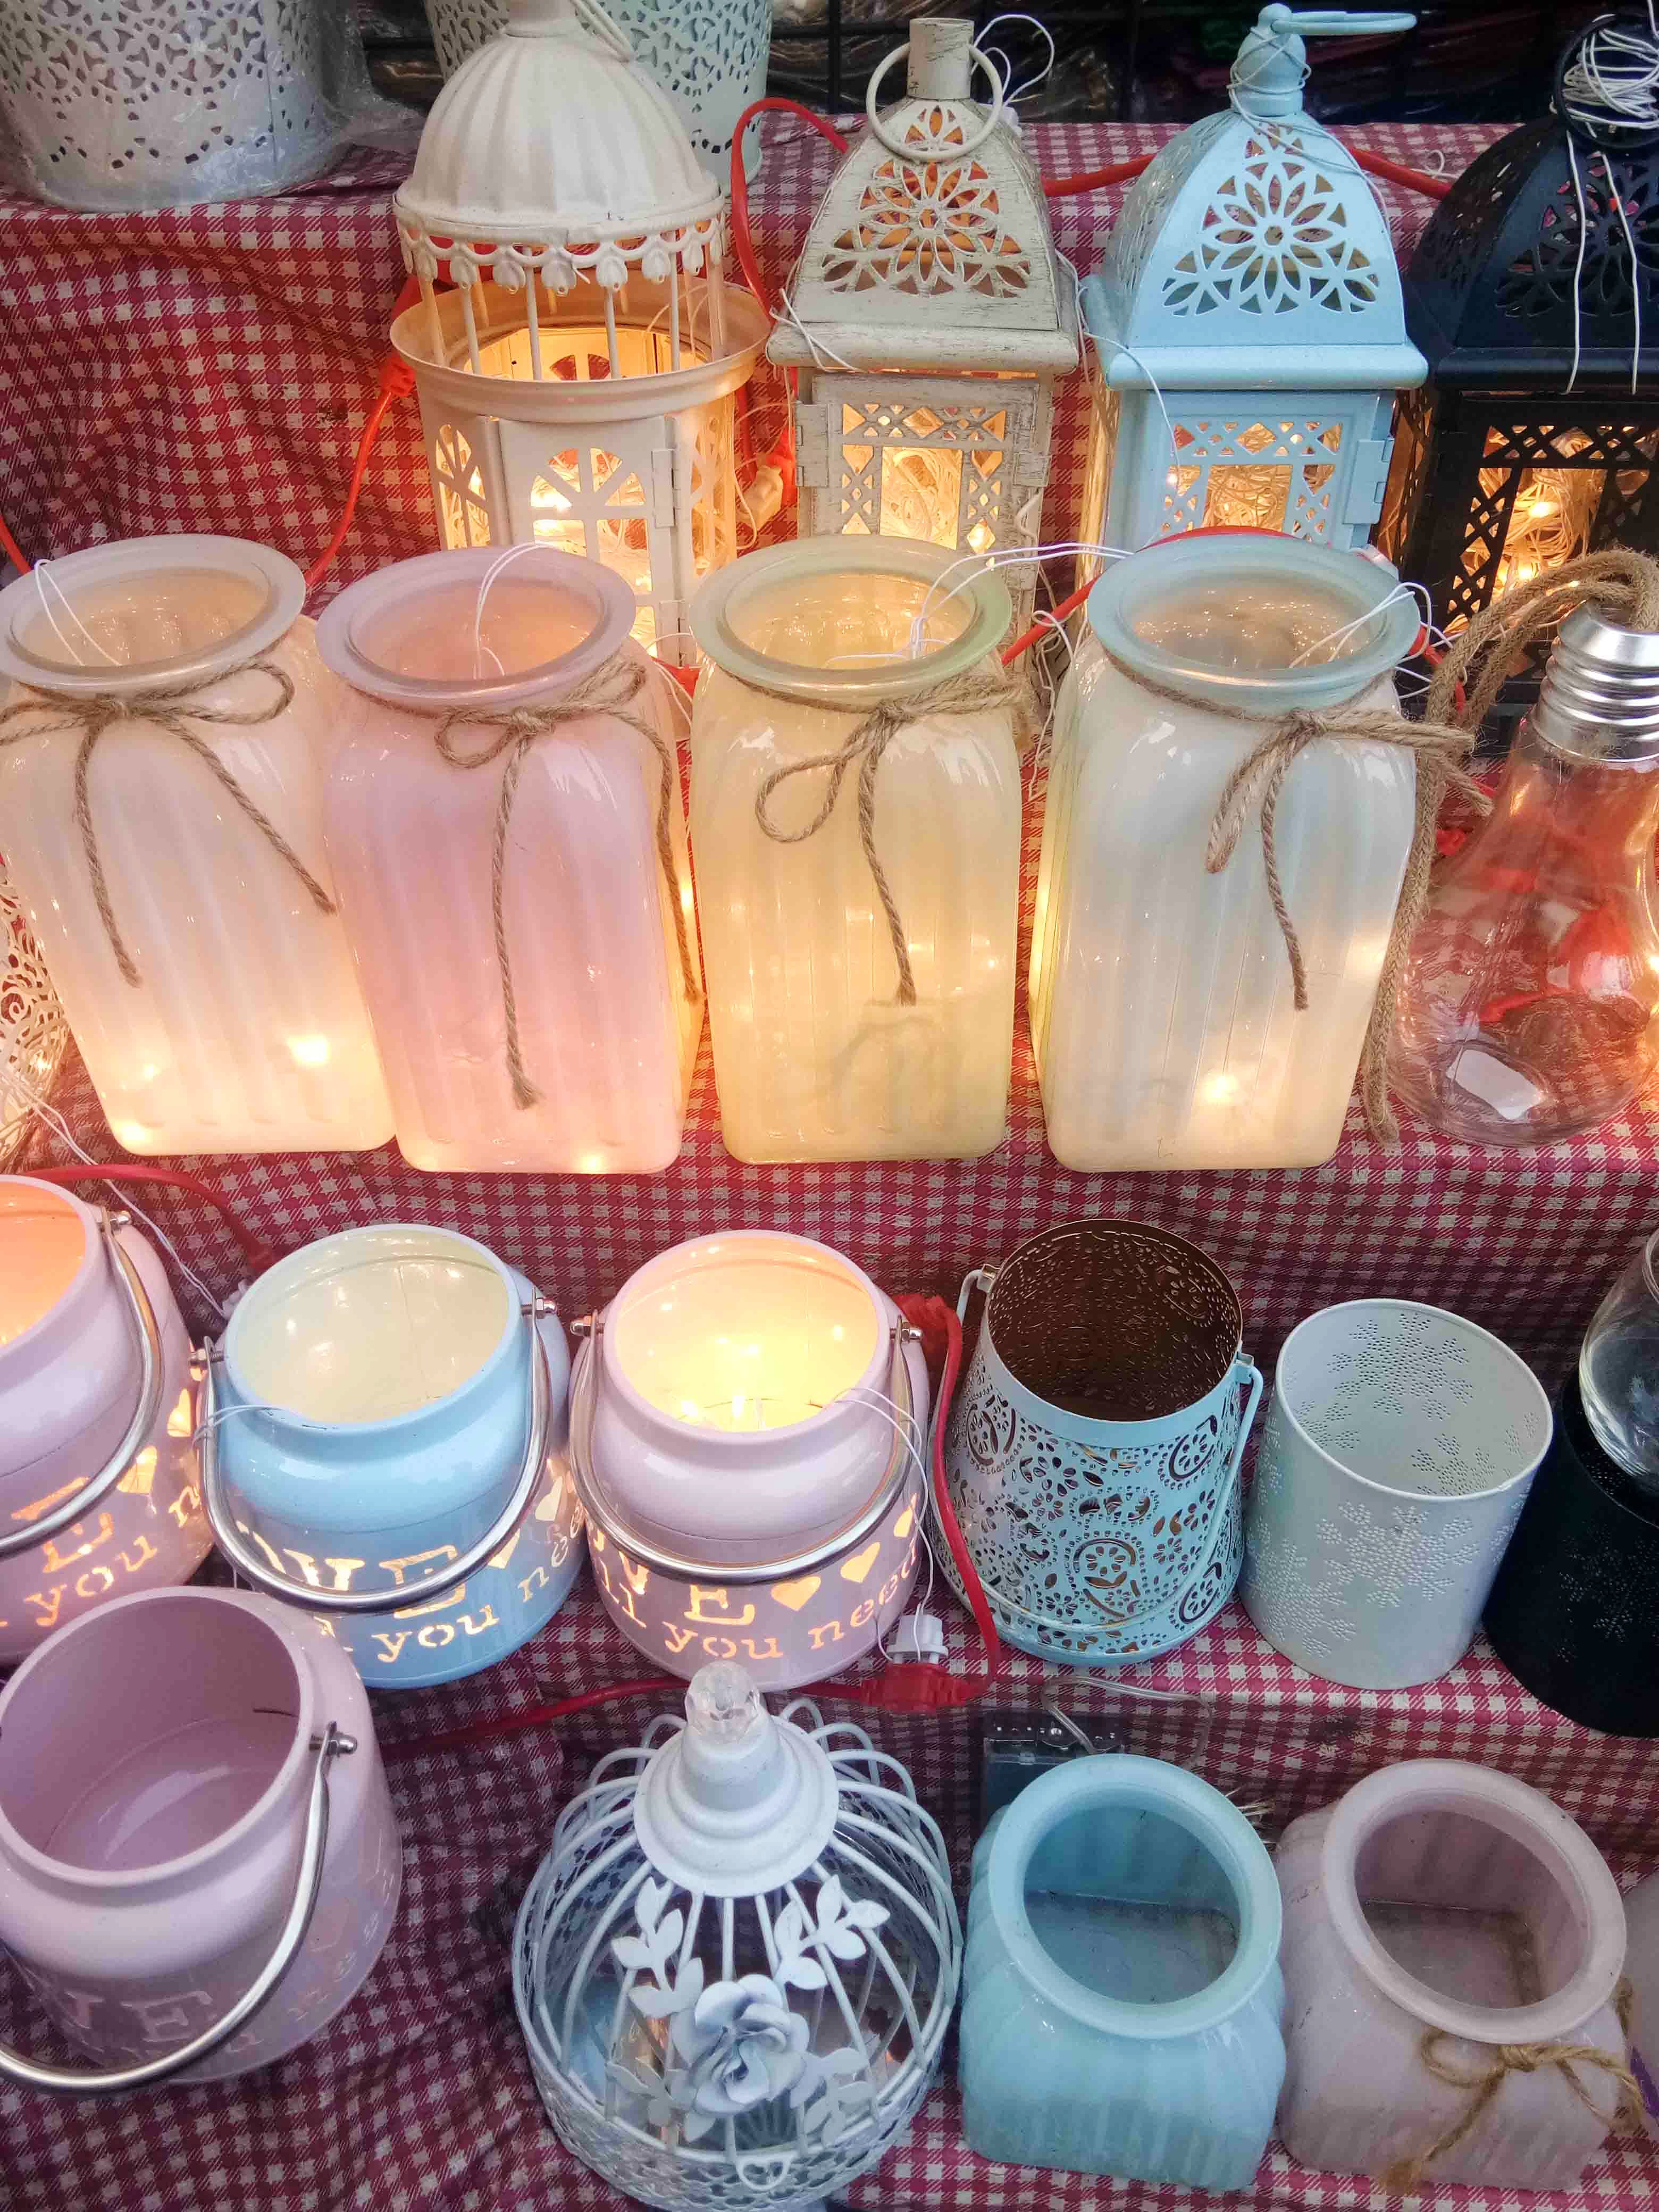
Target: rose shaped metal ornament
(734, 1967)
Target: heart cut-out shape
(905, 1523)
(796, 1594)
(550, 1505)
(855, 1569)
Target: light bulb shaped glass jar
(244, 1029)
(1529, 1006)
(1163, 1012)
(1619, 1369)
(607, 1026)
(815, 1058)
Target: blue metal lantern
(1249, 334)
(383, 1430)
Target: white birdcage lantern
(929, 318)
(735, 1967)
(577, 378)
(1248, 325)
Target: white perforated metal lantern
(576, 377)
(931, 317)
(1248, 330)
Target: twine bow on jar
(975, 691)
(613, 689)
(1484, 2083)
(92, 714)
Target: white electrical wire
(43, 575)
(1012, 93)
(1612, 85)
(1416, 592)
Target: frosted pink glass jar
(158, 1764)
(608, 1011)
(1440, 1897)
(98, 1462)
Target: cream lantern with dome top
(577, 376)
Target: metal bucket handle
(146, 2073)
(981, 1278)
(98, 1486)
(290, 1590)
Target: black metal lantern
(1534, 296)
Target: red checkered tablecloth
(209, 370)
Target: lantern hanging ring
(116, 2080)
(905, 150)
(97, 1487)
(289, 1590)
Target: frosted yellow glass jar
(827, 1044)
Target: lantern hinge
(1370, 472)
(662, 487)
(812, 443)
(1027, 464)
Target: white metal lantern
(576, 383)
(734, 1967)
(32, 1030)
(1248, 330)
(929, 318)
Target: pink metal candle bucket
(98, 1490)
(747, 1427)
(384, 1444)
(199, 1861)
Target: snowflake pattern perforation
(929, 227)
(1273, 239)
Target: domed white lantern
(931, 317)
(1249, 333)
(576, 383)
(734, 1967)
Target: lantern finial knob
(722, 1704)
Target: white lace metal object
(33, 1031)
(160, 103)
(1393, 1468)
(735, 1965)
(708, 56)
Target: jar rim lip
(721, 597)
(340, 626)
(1450, 1500)
(1211, 1820)
(285, 598)
(97, 1878)
(1122, 590)
(1529, 1819)
(313, 1260)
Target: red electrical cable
(1094, 180)
(1027, 638)
(1413, 180)
(12, 552)
(396, 382)
(741, 240)
(258, 1252)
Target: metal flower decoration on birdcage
(735, 1965)
(33, 1031)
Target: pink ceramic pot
(1441, 1901)
(159, 1762)
(76, 1313)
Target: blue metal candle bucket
(1094, 1450)
(384, 1444)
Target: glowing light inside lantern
(42, 1244)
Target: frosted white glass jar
(238, 1025)
(608, 1011)
(815, 1057)
(1163, 1011)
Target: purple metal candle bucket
(747, 1430)
(199, 1861)
(98, 1463)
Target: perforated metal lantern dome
(931, 318)
(1248, 331)
(1510, 461)
(577, 374)
(735, 1965)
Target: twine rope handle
(92, 714)
(973, 691)
(1404, 2174)
(614, 689)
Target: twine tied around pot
(973, 691)
(92, 714)
(1484, 2082)
(611, 690)
(1626, 584)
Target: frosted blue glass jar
(1123, 2002)
(384, 1443)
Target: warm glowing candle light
(42, 1245)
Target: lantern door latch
(812, 443)
(1371, 470)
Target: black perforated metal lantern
(1499, 472)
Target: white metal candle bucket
(1093, 1452)
(383, 1445)
(1398, 1453)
